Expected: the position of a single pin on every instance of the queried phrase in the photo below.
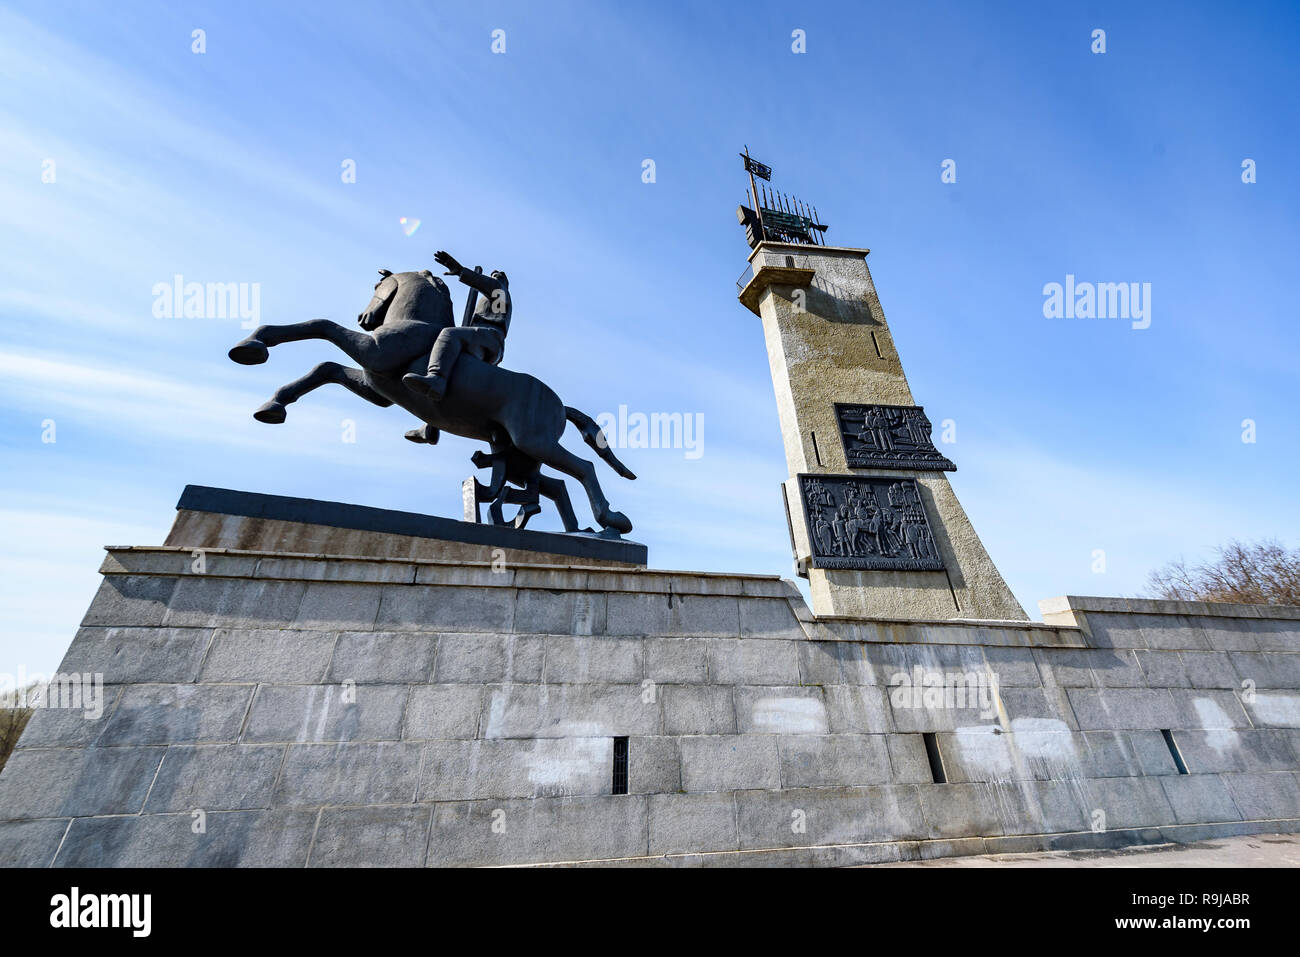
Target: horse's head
(420, 296)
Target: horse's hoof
(416, 436)
(272, 413)
(615, 520)
(250, 352)
(526, 512)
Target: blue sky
(1072, 435)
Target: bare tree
(1256, 573)
(13, 719)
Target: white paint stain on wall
(569, 764)
(789, 716)
(1277, 710)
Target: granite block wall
(292, 710)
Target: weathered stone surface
(558, 711)
(443, 711)
(777, 710)
(698, 709)
(484, 658)
(572, 660)
(677, 660)
(30, 843)
(829, 760)
(370, 773)
(511, 768)
(757, 735)
(548, 829)
(130, 600)
(205, 602)
(132, 655)
(230, 839)
(251, 655)
(372, 837)
(685, 823)
(444, 608)
(177, 714)
(76, 782)
(383, 657)
(215, 778)
(754, 661)
(730, 762)
(1199, 798)
(326, 713)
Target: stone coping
(1156, 606)
(290, 566)
(230, 563)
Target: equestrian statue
(413, 354)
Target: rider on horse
(484, 337)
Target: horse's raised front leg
(354, 380)
(360, 347)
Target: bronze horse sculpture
(519, 416)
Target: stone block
(1102, 709)
(546, 767)
(1163, 669)
(130, 600)
(961, 810)
(730, 762)
(372, 837)
(1209, 669)
(326, 713)
(369, 773)
(69, 727)
(908, 760)
(1065, 667)
(560, 612)
(753, 661)
(634, 613)
(204, 602)
(589, 828)
(71, 783)
(574, 660)
(834, 663)
(446, 608)
(692, 823)
(778, 710)
(443, 711)
(336, 606)
(676, 660)
(1267, 670)
(1152, 751)
(383, 657)
(1013, 667)
(654, 765)
(698, 709)
(1265, 797)
(1207, 709)
(251, 655)
(232, 839)
(859, 708)
(838, 760)
(177, 714)
(131, 655)
(1109, 754)
(1129, 802)
(768, 618)
(1274, 709)
(706, 616)
(484, 658)
(1199, 799)
(228, 777)
(30, 843)
(1217, 751)
(558, 711)
(827, 816)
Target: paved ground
(1256, 850)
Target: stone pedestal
(271, 708)
(828, 344)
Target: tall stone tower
(874, 523)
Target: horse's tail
(592, 435)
